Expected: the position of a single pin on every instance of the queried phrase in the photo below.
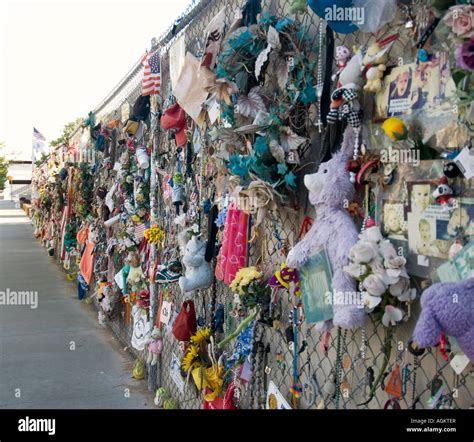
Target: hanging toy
(394, 385)
(373, 66)
(446, 309)
(451, 170)
(283, 277)
(177, 193)
(443, 194)
(343, 55)
(198, 273)
(155, 346)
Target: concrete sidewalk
(37, 367)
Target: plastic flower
(391, 316)
(395, 129)
(370, 302)
(190, 359)
(375, 285)
(243, 278)
(465, 55)
(461, 20)
(356, 270)
(363, 252)
(372, 234)
(201, 335)
(154, 235)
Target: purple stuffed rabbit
(447, 308)
(330, 190)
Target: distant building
(20, 184)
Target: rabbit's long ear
(348, 143)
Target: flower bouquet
(384, 281)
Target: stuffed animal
(135, 274)
(283, 277)
(343, 54)
(333, 229)
(344, 102)
(447, 308)
(155, 346)
(443, 194)
(198, 273)
(373, 67)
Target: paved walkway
(36, 362)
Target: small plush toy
(447, 308)
(373, 67)
(155, 346)
(333, 229)
(135, 274)
(343, 54)
(283, 277)
(443, 194)
(198, 273)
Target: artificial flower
(461, 20)
(391, 316)
(408, 296)
(370, 302)
(465, 55)
(395, 129)
(362, 252)
(372, 234)
(356, 270)
(400, 287)
(375, 285)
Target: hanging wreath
(265, 84)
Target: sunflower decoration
(196, 351)
(155, 235)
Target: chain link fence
(338, 368)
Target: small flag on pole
(151, 74)
(38, 144)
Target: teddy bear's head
(156, 333)
(330, 186)
(375, 55)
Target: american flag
(152, 74)
(38, 143)
(140, 231)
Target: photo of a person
(425, 245)
(420, 197)
(400, 93)
(422, 237)
(393, 219)
(420, 92)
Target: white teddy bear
(198, 273)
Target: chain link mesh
(273, 359)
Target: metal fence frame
(315, 367)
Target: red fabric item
(87, 262)
(233, 254)
(185, 324)
(225, 403)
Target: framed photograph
(424, 87)
(394, 223)
(316, 285)
(420, 196)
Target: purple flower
(465, 55)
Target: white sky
(60, 58)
